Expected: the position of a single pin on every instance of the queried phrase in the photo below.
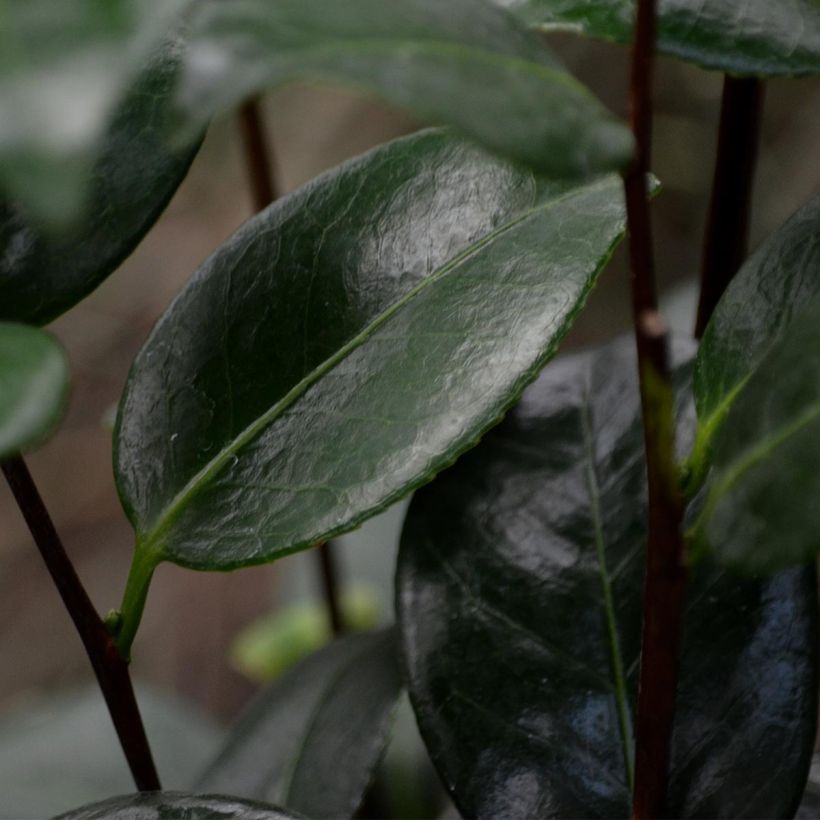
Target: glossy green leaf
(520, 588)
(63, 69)
(761, 510)
(773, 284)
(753, 314)
(464, 63)
(313, 739)
(176, 806)
(345, 345)
(756, 37)
(43, 274)
(34, 381)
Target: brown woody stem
(727, 230)
(265, 189)
(109, 666)
(258, 156)
(665, 572)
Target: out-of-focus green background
(192, 619)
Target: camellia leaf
(464, 63)
(345, 345)
(755, 37)
(34, 381)
(42, 273)
(520, 588)
(753, 314)
(761, 510)
(313, 739)
(63, 69)
(176, 806)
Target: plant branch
(265, 189)
(259, 160)
(109, 666)
(727, 230)
(330, 587)
(665, 571)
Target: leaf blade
(504, 631)
(370, 295)
(471, 65)
(35, 378)
(759, 514)
(135, 174)
(63, 73)
(757, 38)
(321, 730)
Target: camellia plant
(606, 605)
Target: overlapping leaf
(757, 392)
(34, 381)
(345, 345)
(463, 62)
(63, 69)
(313, 739)
(43, 274)
(176, 806)
(755, 37)
(520, 588)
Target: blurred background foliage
(208, 639)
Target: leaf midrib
(606, 587)
(150, 539)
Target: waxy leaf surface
(464, 62)
(346, 344)
(176, 806)
(756, 391)
(64, 67)
(775, 283)
(520, 588)
(313, 739)
(34, 382)
(42, 273)
(761, 511)
(756, 37)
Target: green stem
(125, 623)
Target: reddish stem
(727, 230)
(665, 571)
(258, 156)
(109, 666)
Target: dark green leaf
(43, 274)
(739, 36)
(176, 806)
(520, 592)
(63, 69)
(34, 380)
(756, 310)
(761, 511)
(312, 740)
(463, 63)
(345, 345)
